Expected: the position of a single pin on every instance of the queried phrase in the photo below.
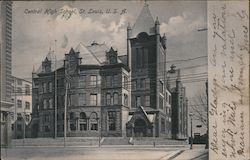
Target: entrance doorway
(35, 130)
(140, 128)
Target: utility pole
(65, 112)
(55, 94)
(191, 121)
(207, 140)
(67, 78)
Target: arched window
(82, 115)
(116, 98)
(72, 121)
(93, 121)
(83, 121)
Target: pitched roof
(123, 59)
(98, 51)
(95, 54)
(144, 23)
(87, 56)
(51, 57)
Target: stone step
(115, 141)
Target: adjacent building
(179, 104)
(22, 109)
(110, 95)
(5, 71)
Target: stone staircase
(94, 141)
(115, 141)
(157, 141)
(70, 141)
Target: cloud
(182, 24)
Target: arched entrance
(140, 128)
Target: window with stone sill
(125, 100)
(27, 105)
(116, 98)
(111, 120)
(93, 81)
(19, 103)
(108, 99)
(93, 99)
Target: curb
(172, 155)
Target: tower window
(138, 101)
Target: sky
(34, 34)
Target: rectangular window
(170, 100)
(50, 87)
(83, 127)
(139, 57)
(143, 83)
(162, 125)
(82, 81)
(40, 89)
(45, 105)
(47, 129)
(94, 127)
(27, 89)
(125, 100)
(147, 101)
(27, 105)
(125, 83)
(116, 98)
(73, 100)
(161, 86)
(19, 82)
(111, 120)
(19, 91)
(72, 127)
(134, 84)
(115, 80)
(166, 97)
(147, 83)
(82, 99)
(19, 103)
(93, 81)
(160, 103)
(137, 84)
(108, 99)
(44, 88)
(51, 103)
(108, 81)
(138, 101)
(46, 118)
(93, 99)
(145, 57)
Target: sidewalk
(190, 154)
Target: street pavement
(103, 153)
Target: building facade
(22, 109)
(110, 95)
(5, 71)
(93, 79)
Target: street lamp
(191, 121)
(24, 125)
